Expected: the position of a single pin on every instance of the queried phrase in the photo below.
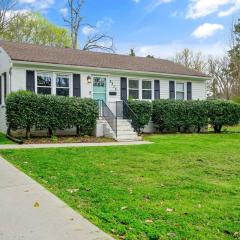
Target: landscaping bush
(171, 115)
(143, 111)
(223, 113)
(21, 111)
(45, 112)
(85, 114)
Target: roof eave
(51, 66)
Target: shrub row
(25, 110)
(186, 116)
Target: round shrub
(21, 111)
(223, 113)
(143, 111)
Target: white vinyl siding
(198, 87)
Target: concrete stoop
(125, 131)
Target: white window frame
(184, 90)
(140, 89)
(54, 83)
(36, 82)
(70, 87)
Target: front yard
(4, 140)
(180, 187)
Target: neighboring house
(108, 77)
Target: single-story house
(101, 76)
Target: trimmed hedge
(223, 113)
(143, 111)
(25, 110)
(189, 116)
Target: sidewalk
(63, 145)
(30, 212)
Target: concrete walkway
(63, 145)
(30, 212)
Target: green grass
(4, 140)
(180, 187)
(232, 128)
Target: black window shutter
(30, 81)
(5, 85)
(76, 85)
(189, 91)
(0, 90)
(156, 89)
(123, 88)
(171, 89)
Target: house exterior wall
(18, 82)
(113, 84)
(5, 65)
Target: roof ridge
(67, 56)
(80, 50)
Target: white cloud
(136, 1)
(202, 8)
(101, 26)
(168, 50)
(207, 30)
(87, 30)
(37, 4)
(63, 11)
(155, 3)
(231, 10)
(106, 22)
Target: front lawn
(180, 187)
(4, 140)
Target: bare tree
(99, 41)
(96, 40)
(74, 20)
(5, 16)
(191, 60)
(222, 83)
(234, 55)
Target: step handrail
(106, 113)
(128, 113)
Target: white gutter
(106, 70)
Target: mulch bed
(67, 139)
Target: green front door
(99, 88)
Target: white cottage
(101, 76)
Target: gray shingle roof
(66, 56)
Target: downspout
(10, 77)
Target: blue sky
(158, 27)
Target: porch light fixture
(89, 79)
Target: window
(146, 89)
(44, 83)
(62, 85)
(133, 86)
(180, 91)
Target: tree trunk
(28, 132)
(199, 129)
(78, 130)
(50, 132)
(217, 128)
(9, 131)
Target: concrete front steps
(125, 131)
